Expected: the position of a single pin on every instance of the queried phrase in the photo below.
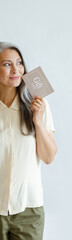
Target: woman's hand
(38, 107)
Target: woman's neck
(7, 95)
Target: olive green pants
(27, 225)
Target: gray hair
(25, 98)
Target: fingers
(38, 102)
(38, 99)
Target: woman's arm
(45, 143)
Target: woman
(26, 138)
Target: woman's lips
(14, 77)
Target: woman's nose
(14, 69)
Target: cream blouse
(20, 167)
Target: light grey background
(43, 31)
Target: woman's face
(11, 68)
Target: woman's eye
(20, 62)
(7, 64)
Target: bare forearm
(46, 148)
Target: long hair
(25, 98)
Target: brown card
(37, 83)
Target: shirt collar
(14, 105)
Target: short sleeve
(47, 118)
